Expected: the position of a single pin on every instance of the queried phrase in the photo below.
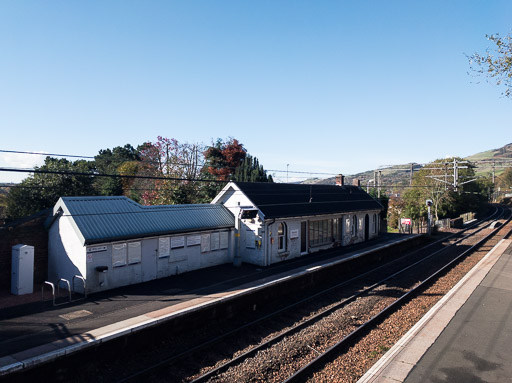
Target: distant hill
(500, 155)
(394, 175)
(400, 174)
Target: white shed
(114, 241)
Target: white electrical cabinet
(22, 275)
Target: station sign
(405, 221)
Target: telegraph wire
(44, 154)
(18, 186)
(416, 166)
(199, 165)
(82, 174)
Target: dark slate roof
(105, 219)
(279, 200)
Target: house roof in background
(106, 219)
(279, 200)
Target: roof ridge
(96, 197)
(183, 206)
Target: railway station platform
(465, 337)
(36, 333)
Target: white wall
(252, 238)
(252, 241)
(165, 262)
(269, 253)
(292, 245)
(66, 255)
(348, 238)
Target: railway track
(307, 372)
(351, 308)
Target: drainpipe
(237, 259)
(268, 247)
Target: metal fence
(419, 226)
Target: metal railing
(75, 277)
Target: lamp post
(429, 216)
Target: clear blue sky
(324, 86)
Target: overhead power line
(182, 163)
(44, 154)
(40, 171)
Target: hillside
(499, 156)
(400, 174)
(395, 175)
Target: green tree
(435, 182)
(110, 162)
(129, 184)
(396, 210)
(496, 63)
(505, 180)
(41, 190)
(250, 170)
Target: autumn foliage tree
(175, 165)
(161, 172)
(223, 158)
(229, 161)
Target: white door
(149, 259)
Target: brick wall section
(29, 232)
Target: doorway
(304, 237)
(149, 259)
(366, 227)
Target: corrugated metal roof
(103, 219)
(278, 200)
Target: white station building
(277, 221)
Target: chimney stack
(356, 182)
(340, 180)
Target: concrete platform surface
(465, 337)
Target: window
(205, 243)
(354, 225)
(322, 232)
(164, 247)
(134, 252)
(177, 242)
(215, 241)
(224, 239)
(281, 237)
(119, 251)
(375, 223)
(335, 229)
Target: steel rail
(326, 312)
(345, 342)
(310, 320)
